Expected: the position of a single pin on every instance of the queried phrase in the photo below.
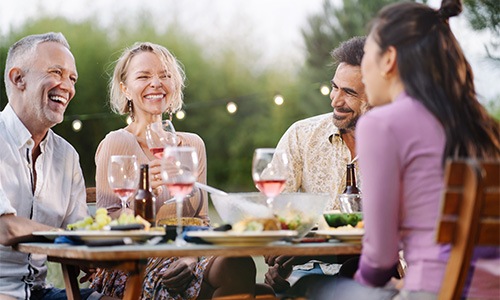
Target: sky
(272, 24)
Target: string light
(76, 125)
(180, 114)
(278, 99)
(231, 107)
(325, 90)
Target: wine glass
(179, 172)
(123, 176)
(269, 170)
(159, 135)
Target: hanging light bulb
(77, 125)
(325, 90)
(278, 99)
(231, 107)
(180, 114)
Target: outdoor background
(232, 50)
(240, 51)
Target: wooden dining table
(133, 258)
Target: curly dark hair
(350, 51)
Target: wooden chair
(469, 217)
(91, 200)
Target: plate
(351, 235)
(100, 235)
(247, 238)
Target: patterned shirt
(317, 157)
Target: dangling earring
(169, 112)
(130, 109)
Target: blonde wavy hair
(118, 100)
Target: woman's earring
(130, 109)
(169, 112)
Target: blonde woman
(147, 82)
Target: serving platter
(351, 235)
(247, 238)
(99, 235)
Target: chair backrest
(91, 200)
(91, 195)
(470, 211)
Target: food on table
(102, 219)
(186, 221)
(344, 219)
(295, 220)
(257, 224)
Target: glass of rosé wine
(269, 171)
(159, 135)
(179, 173)
(123, 176)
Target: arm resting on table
(14, 229)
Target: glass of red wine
(179, 172)
(269, 171)
(123, 176)
(159, 135)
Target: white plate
(351, 235)
(99, 235)
(247, 238)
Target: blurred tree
(337, 22)
(212, 81)
(485, 15)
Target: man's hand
(276, 277)
(280, 268)
(286, 262)
(89, 273)
(179, 274)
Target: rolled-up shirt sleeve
(5, 206)
(380, 166)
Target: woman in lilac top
(425, 110)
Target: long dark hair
(435, 72)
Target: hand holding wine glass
(269, 170)
(159, 135)
(179, 172)
(123, 176)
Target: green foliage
(485, 15)
(325, 31)
(213, 80)
(493, 107)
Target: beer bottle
(350, 182)
(144, 200)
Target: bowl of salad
(293, 211)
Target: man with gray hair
(41, 182)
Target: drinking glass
(269, 170)
(179, 172)
(350, 203)
(123, 176)
(159, 135)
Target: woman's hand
(155, 179)
(179, 274)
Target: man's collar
(336, 134)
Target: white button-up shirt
(58, 198)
